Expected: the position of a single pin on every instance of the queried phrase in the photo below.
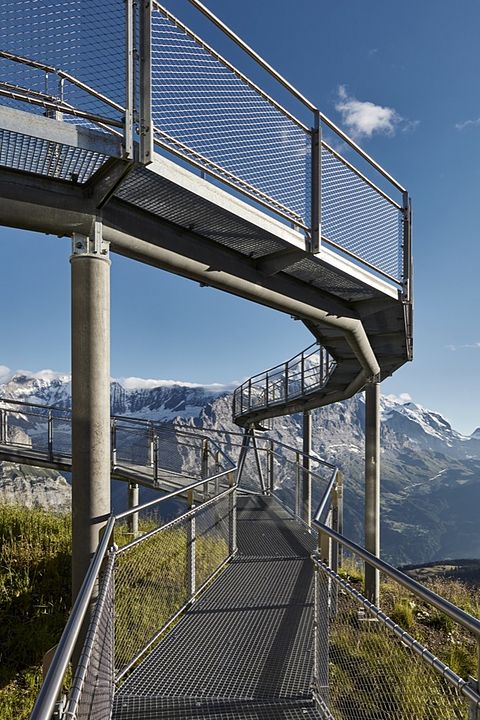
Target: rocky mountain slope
(430, 472)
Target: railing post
(191, 543)
(50, 435)
(249, 394)
(337, 521)
(133, 500)
(218, 469)
(151, 444)
(302, 374)
(204, 467)
(271, 469)
(232, 514)
(286, 382)
(266, 390)
(155, 459)
(129, 80)
(298, 512)
(3, 426)
(113, 442)
(315, 231)
(322, 632)
(307, 476)
(145, 119)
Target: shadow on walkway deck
(244, 650)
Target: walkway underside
(168, 217)
(244, 650)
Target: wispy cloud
(135, 383)
(469, 346)
(364, 118)
(467, 123)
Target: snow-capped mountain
(430, 471)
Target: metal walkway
(244, 649)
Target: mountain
(430, 472)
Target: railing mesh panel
(151, 586)
(212, 531)
(91, 696)
(364, 671)
(154, 577)
(207, 113)
(85, 39)
(359, 219)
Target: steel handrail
(174, 493)
(463, 618)
(52, 685)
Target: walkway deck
(244, 649)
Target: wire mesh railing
(160, 453)
(65, 56)
(415, 657)
(211, 114)
(305, 374)
(136, 589)
(137, 70)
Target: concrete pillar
(372, 487)
(90, 267)
(307, 478)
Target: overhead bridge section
(134, 120)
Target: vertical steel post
(372, 488)
(232, 513)
(133, 501)
(3, 427)
(155, 459)
(90, 269)
(191, 543)
(151, 444)
(316, 231)
(113, 442)
(339, 516)
(243, 455)
(307, 476)
(286, 382)
(258, 463)
(204, 467)
(271, 468)
(146, 119)
(50, 435)
(129, 80)
(298, 507)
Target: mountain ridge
(430, 471)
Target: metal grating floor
(244, 649)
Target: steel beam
(90, 269)
(372, 488)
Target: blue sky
(416, 64)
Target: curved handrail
(283, 383)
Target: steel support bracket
(93, 244)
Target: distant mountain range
(430, 472)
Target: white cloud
(474, 346)
(364, 118)
(401, 399)
(5, 374)
(135, 383)
(467, 123)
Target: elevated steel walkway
(243, 649)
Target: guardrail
(158, 452)
(164, 85)
(305, 374)
(139, 587)
(364, 659)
